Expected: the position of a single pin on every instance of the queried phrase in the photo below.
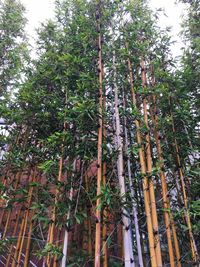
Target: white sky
(173, 18)
(40, 10)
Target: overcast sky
(40, 10)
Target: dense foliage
(99, 161)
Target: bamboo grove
(99, 161)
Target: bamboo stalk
(137, 232)
(27, 253)
(166, 205)
(168, 217)
(105, 211)
(53, 218)
(143, 172)
(7, 224)
(26, 219)
(99, 147)
(14, 233)
(149, 172)
(66, 236)
(14, 261)
(89, 226)
(54, 215)
(50, 239)
(127, 237)
(25, 139)
(18, 246)
(104, 230)
(176, 243)
(22, 239)
(28, 245)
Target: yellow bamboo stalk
(26, 219)
(99, 153)
(27, 253)
(52, 225)
(53, 218)
(166, 204)
(14, 261)
(105, 212)
(149, 171)
(105, 215)
(143, 172)
(14, 233)
(89, 226)
(168, 217)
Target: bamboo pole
(56, 199)
(7, 224)
(30, 194)
(89, 226)
(149, 172)
(18, 176)
(144, 236)
(22, 239)
(100, 141)
(53, 218)
(118, 226)
(127, 236)
(143, 172)
(105, 211)
(66, 236)
(168, 217)
(21, 228)
(166, 205)
(28, 245)
(27, 253)
(14, 261)
(134, 206)
(14, 233)
(105, 217)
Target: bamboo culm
(127, 236)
